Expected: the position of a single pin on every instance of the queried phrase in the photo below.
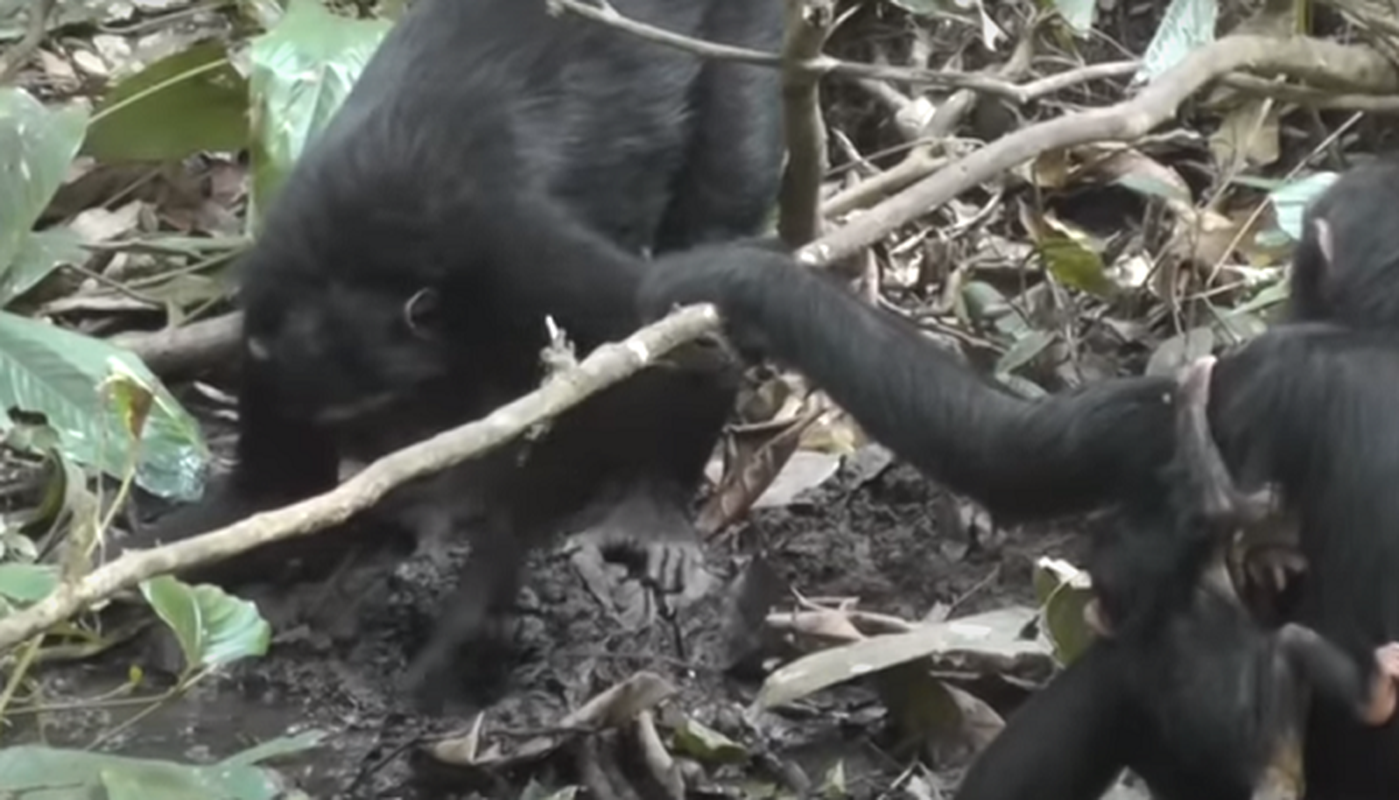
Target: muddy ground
(876, 531)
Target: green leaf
(212, 627)
(39, 254)
(1074, 264)
(191, 101)
(37, 145)
(1270, 296)
(1065, 591)
(302, 70)
(27, 583)
(55, 372)
(707, 745)
(35, 771)
(276, 748)
(1290, 201)
(1024, 350)
(1186, 26)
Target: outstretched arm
(1021, 458)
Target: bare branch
(819, 66)
(39, 12)
(1129, 120)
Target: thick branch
(1124, 122)
(606, 365)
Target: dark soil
(886, 536)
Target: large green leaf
(40, 253)
(302, 70)
(27, 583)
(36, 147)
(52, 773)
(212, 627)
(191, 101)
(55, 372)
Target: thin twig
(821, 65)
(1123, 122)
(39, 11)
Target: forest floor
(875, 531)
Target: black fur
(495, 166)
(1110, 446)
(1311, 407)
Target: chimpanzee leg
(733, 167)
(639, 446)
(467, 656)
(1067, 742)
(650, 437)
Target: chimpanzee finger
(1384, 694)
(1273, 568)
(676, 567)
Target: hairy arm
(1070, 740)
(1021, 458)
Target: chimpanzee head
(1346, 268)
(333, 351)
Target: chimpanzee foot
(1384, 695)
(655, 536)
(467, 660)
(466, 663)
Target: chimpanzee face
(336, 352)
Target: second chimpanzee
(1310, 408)
(1107, 445)
(1202, 702)
(494, 169)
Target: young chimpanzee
(1202, 702)
(497, 167)
(1108, 445)
(1309, 408)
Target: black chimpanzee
(1111, 445)
(1326, 443)
(497, 167)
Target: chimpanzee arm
(279, 461)
(1335, 677)
(1020, 457)
(1067, 742)
(532, 258)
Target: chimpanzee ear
(1325, 241)
(423, 313)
